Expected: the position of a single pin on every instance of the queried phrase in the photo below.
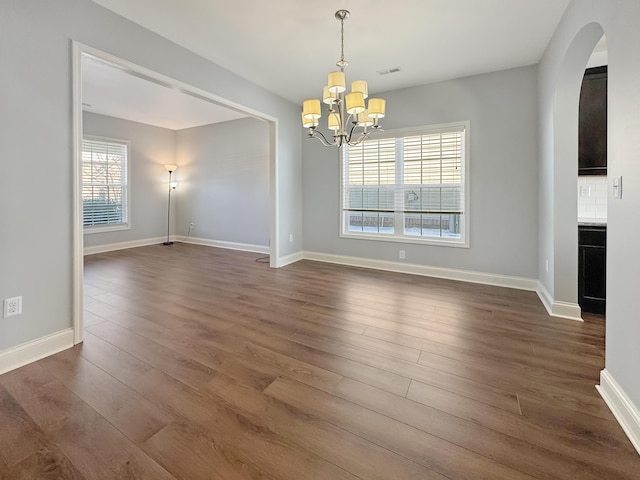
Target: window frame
(114, 227)
(401, 237)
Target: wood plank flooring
(201, 363)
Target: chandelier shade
(360, 86)
(311, 109)
(309, 122)
(355, 103)
(346, 111)
(377, 107)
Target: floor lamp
(172, 186)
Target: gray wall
(224, 182)
(501, 108)
(36, 145)
(565, 55)
(150, 149)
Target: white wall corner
(34, 350)
(627, 414)
(570, 311)
(520, 283)
(289, 259)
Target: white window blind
(104, 182)
(407, 185)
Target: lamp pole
(170, 169)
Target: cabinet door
(592, 286)
(592, 129)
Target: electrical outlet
(291, 238)
(12, 307)
(401, 254)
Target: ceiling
(111, 90)
(288, 46)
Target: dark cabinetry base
(592, 268)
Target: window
(408, 185)
(104, 184)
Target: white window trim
(463, 242)
(118, 227)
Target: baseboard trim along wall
(34, 350)
(519, 283)
(627, 414)
(112, 247)
(570, 311)
(289, 259)
(245, 247)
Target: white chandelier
(346, 110)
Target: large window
(104, 184)
(408, 185)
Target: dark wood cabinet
(592, 127)
(592, 269)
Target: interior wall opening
(204, 103)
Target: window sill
(462, 243)
(107, 228)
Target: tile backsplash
(592, 199)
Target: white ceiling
(288, 46)
(111, 90)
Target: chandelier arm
(318, 135)
(353, 127)
(360, 139)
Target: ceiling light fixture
(346, 110)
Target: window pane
(451, 226)
(431, 225)
(412, 224)
(104, 182)
(355, 221)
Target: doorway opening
(209, 104)
(592, 183)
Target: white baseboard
(289, 259)
(519, 283)
(570, 311)
(245, 247)
(29, 352)
(627, 414)
(111, 247)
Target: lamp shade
(360, 86)
(355, 103)
(171, 168)
(309, 122)
(327, 96)
(336, 82)
(364, 120)
(173, 185)
(377, 107)
(311, 108)
(334, 122)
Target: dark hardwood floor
(201, 363)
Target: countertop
(592, 224)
